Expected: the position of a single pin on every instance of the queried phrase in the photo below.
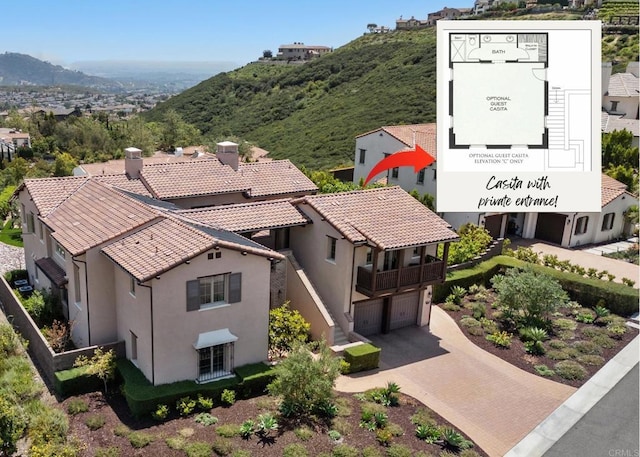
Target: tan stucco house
(183, 261)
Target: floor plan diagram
(509, 106)
(518, 97)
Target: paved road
(609, 429)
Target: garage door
(550, 227)
(404, 310)
(368, 317)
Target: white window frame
(214, 291)
(332, 247)
(225, 351)
(59, 250)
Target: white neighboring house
(371, 147)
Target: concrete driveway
(493, 402)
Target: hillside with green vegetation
(312, 113)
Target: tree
(304, 382)
(371, 27)
(473, 241)
(528, 298)
(64, 165)
(102, 365)
(286, 328)
(15, 171)
(12, 426)
(617, 149)
(176, 132)
(267, 54)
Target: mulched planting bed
(116, 416)
(516, 354)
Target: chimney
(227, 154)
(606, 76)
(132, 162)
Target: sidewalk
(492, 401)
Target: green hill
(311, 113)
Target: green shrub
(534, 347)
(95, 422)
(454, 439)
(587, 317)
(185, 406)
(469, 322)
(229, 430)
(50, 426)
(395, 429)
(295, 450)
(604, 341)
(570, 370)
(197, 449)
(428, 433)
(9, 341)
(362, 357)
(177, 442)
(458, 292)
(223, 446)
(533, 334)
(110, 451)
(488, 325)
(566, 335)
(479, 310)
(342, 425)
(140, 439)
(590, 359)
(557, 344)
(77, 406)
(205, 403)
(345, 367)
(590, 332)
(564, 324)
(228, 397)
(544, 370)
(121, 430)
(500, 339)
(617, 330)
(558, 354)
(287, 327)
(450, 306)
(161, 412)
(247, 428)
(206, 419)
(399, 450)
(587, 347)
(423, 416)
(241, 453)
(12, 425)
(334, 435)
(75, 381)
(371, 451)
(303, 433)
(344, 450)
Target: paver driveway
(492, 401)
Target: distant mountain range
(23, 70)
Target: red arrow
(418, 158)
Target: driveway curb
(550, 430)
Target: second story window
(363, 154)
(394, 172)
(331, 248)
(420, 179)
(30, 224)
(369, 259)
(212, 291)
(60, 250)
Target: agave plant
(266, 424)
(455, 440)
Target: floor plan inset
(508, 108)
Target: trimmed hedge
(75, 381)
(142, 397)
(618, 298)
(362, 357)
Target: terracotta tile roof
(275, 178)
(52, 270)
(123, 182)
(48, 193)
(249, 216)
(94, 214)
(612, 189)
(623, 85)
(155, 249)
(190, 179)
(387, 217)
(422, 134)
(117, 166)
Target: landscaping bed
(179, 436)
(580, 347)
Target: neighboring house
(622, 94)
(579, 229)
(371, 147)
(300, 51)
(17, 137)
(372, 257)
(447, 14)
(411, 23)
(611, 123)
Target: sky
(67, 31)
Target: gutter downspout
(573, 224)
(153, 365)
(86, 282)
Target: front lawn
(10, 235)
